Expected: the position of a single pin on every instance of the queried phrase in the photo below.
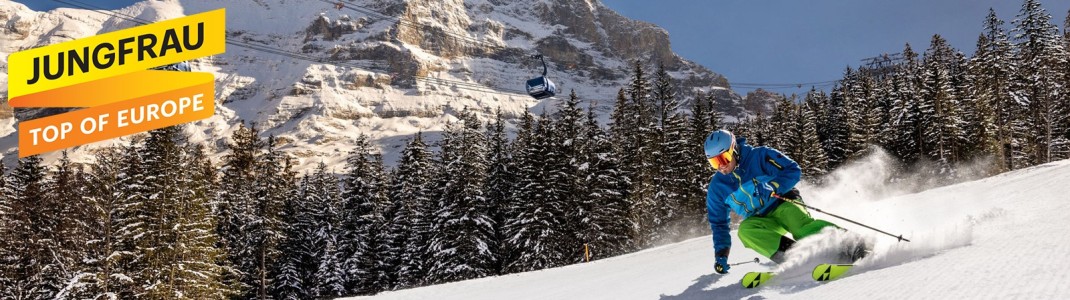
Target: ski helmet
(718, 142)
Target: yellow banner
(107, 75)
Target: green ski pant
(762, 233)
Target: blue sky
(764, 41)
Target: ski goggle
(722, 159)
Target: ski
(823, 272)
(754, 279)
(827, 272)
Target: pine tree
(274, 183)
(818, 103)
(562, 163)
(783, 124)
(862, 113)
(239, 224)
(292, 276)
(321, 261)
(105, 273)
(1041, 60)
(704, 119)
(939, 118)
(180, 260)
(532, 227)
(907, 135)
(814, 163)
(838, 130)
(67, 185)
(672, 177)
(643, 168)
(28, 268)
(363, 198)
(500, 184)
(609, 229)
(463, 227)
(410, 190)
(993, 68)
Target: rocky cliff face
(386, 68)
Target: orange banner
(116, 119)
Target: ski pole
(900, 237)
(745, 262)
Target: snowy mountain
(994, 238)
(319, 73)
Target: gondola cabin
(541, 87)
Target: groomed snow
(994, 238)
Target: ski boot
(854, 250)
(779, 256)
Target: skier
(746, 181)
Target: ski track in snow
(995, 238)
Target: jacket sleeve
(717, 214)
(786, 171)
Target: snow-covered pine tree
(907, 134)
(782, 126)
(362, 221)
(939, 116)
(1066, 73)
(624, 136)
(273, 185)
(968, 113)
(993, 67)
(410, 189)
(884, 97)
(862, 114)
(757, 130)
(814, 164)
(178, 253)
(132, 217)
(67, 186)
(322, 261)
(198, 271)
(238, 222)
(609, 230)
(5, 233)
(674, 174)
(464, 228)
(562, 164)
(643, 169)
(29, 270)
(817, 101)
(704, 119)
(104, 274)
(532, 229)
(1041, 61)
(979, 113)
(500, 184)
(838, 128)
(293, 273)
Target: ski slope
(994, 238)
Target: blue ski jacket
(748, 189)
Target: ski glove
(722, 265)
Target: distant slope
(993, 238)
